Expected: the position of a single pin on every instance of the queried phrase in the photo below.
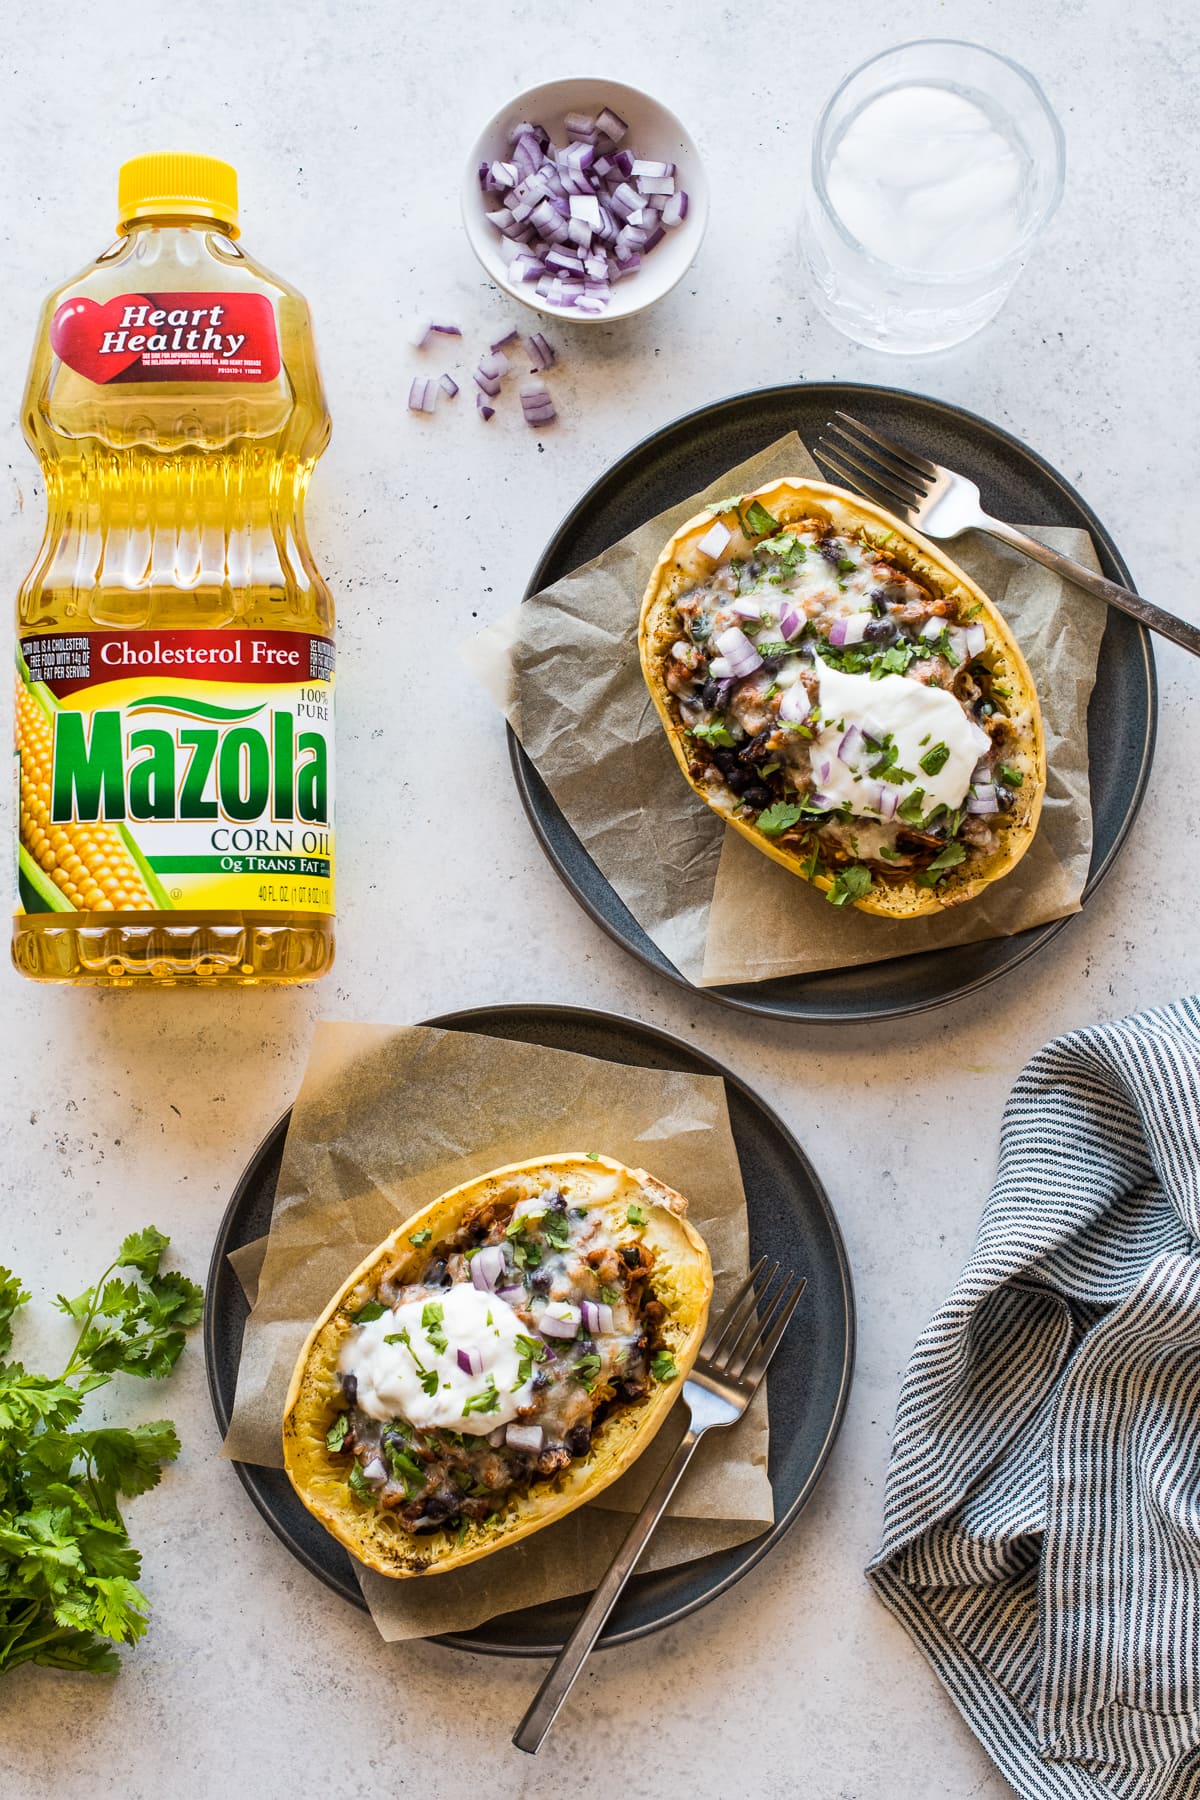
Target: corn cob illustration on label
(174, 769)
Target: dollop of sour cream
(917, 718)
(395, 1362)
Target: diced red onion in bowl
(487, 1266)
(597, 1318)
(470, 1361)
(607, 203)
(525, 1437)
(714, 540)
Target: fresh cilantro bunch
(68, 1570)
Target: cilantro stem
(97, 1294)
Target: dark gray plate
(790, 1218)
(1016, 484)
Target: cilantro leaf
(556, 1230)
(635, 1214)
(717, 733)
(143, 1250)
(949, 858)
(911, 807)
(850, 884)
(1012, 778)
(778, 818)
(12, 1296)
(758, 521)
(374, 1309)
(431, 1324)
(663, 1366)
(420, 1237)
(585, 1369)
(935, 758)
(487, 1402)
(335, 1437)
(360, 1487)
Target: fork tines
(879, 468)
(743, 1340)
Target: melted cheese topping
(390, 1373)
(917, 718)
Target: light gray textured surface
(348, 123)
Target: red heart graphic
(78, 329)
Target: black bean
(709, 692)
(726, 760)
(880, 631)
(435, 1275)
(632, 1255)
(739, 780)
(579, 1438)
(541, 1382)
(556, 1202)
(350, 1387)
(758, 797)
(540, 1281)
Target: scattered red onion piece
(550, 1325)
(597, 1318)
(849, 745)
(487, 1266)
(737, 650)
(982, 799)
(448, 385)
(791, 620)
(422, 396)
(499, 343)
(889, 800)
(524, 1437)
(714, 540)
(541, 352)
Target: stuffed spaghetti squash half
(846, 697)
(496, 1362)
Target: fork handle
(561, 1676)
(1124, 599)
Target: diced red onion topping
(607, 203)
(597, 1318)
(551, 1325)
(737, 650)
(746, 606)
(470, 1361)
(850, 745)
(497, 1437)
(933, 627)
(791, 621)
(794, 705)
(487, 1266)
(375, 1473)
(524, 1437)
(849, 630)
(714, 540)
(889, 800)
(976, 640)
(515, 1296)
(983, 800)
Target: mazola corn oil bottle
(174, 721)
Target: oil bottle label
(168, 337)
(175, 770)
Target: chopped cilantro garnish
(850, 884)
(531, 1351)
(515, 1227)
(360, 1487)
(527, 1256)
(488, 1401)
(910, 808)
(759, 521)
(949, 858)
(610, 1295)
(593, 1155)
(374, 1309)
(778, 818)
(717, 732)
(1008, 775)
(663, 1366)
(635, 1214)
(431, 1325)
(335, 1437)
(935, 758)
(586, 1369)
(812, 863)
(846, 564)
(405, 1468)
(420, 1237)
(723, 506)
(556, 1230)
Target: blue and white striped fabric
(1041, 1535)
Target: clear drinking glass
(934, 167)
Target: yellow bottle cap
(175, 183)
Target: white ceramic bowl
(654, 132)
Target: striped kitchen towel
(1041, 1536)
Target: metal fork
(727, 1374)
(943, 504)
